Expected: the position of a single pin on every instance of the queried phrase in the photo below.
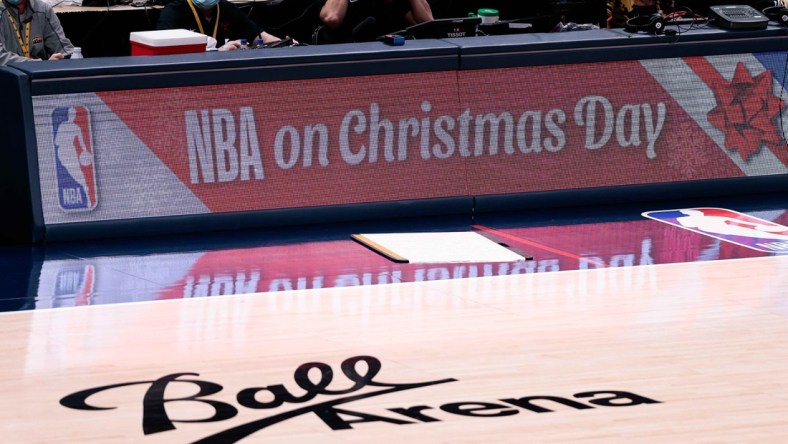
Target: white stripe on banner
(131, 182)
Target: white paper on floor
(423, 248)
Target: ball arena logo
(360, 384)
(74, 158)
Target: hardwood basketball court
(669, 352)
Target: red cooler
(168, 41)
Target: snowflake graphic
(746, 111)
(686, 163)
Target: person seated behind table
(30, 30)
(344, 21)
(223, 22)
(619, 11)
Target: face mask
(202, 4)
(13, 2)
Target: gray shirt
(46, 33)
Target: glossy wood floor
(669, 352)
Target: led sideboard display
(144, 153)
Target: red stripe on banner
(82, 120)
(705, 70)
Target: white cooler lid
(168, 37)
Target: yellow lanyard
(199, 22)
(25, 47)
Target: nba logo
(74, 158)
(728, 226)
(74, 285)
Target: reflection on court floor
(114, 277)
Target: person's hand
(230, 46)
(270, 38)
(56, 56)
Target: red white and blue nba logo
(728, 226)
(74, 158)
(74, 286)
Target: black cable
(96, 25)
(294, 19)
(697, 22)
(147, 9)
(776, 6)
(52, 28)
